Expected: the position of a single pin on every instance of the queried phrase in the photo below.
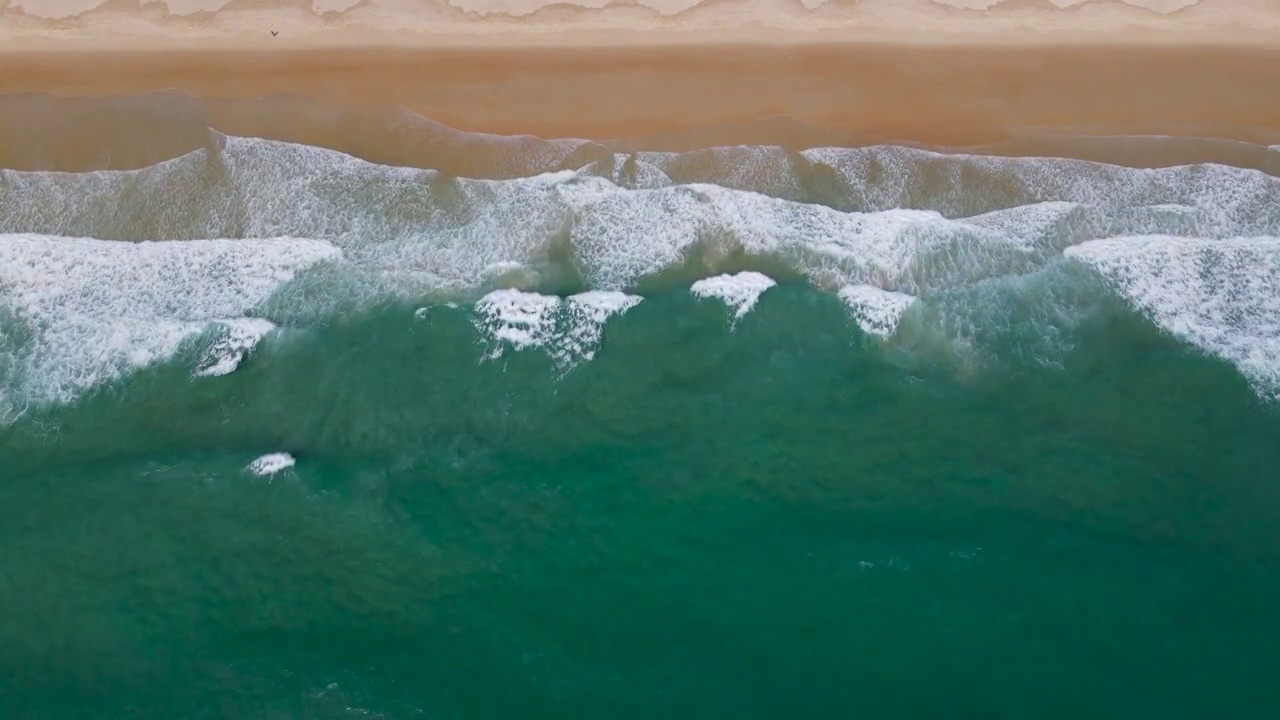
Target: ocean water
(734, 432)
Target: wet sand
(943, 95)
(770, 73)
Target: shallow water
(628, 432)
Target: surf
(109, 271)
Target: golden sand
(872, 71)
(943, 94)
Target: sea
(520, 428)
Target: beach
(640, 358)
(871, 72)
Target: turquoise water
(1022, 473)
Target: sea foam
(270, 464)
(235, 340)
(416, 231)
(1222, 296)
(740, 292)
(81, 312)
(890, 222)
(876, 311)
(568, 329)
(419, 231)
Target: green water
(779, 517)
(1002, 442)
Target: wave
(130, 132)
(269, 465)
(234, 341)
(876, 311)
(77, 313)
(740, 292)
(568, 328)
(546, 260)
(613, 222)
(1223, 296)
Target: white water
(415, 231)
(236, 339)
(1223, 296)
(269, 465)
(83, 312)
(568, 329)
(876, 311)
(740, 292)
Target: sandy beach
(912, 71)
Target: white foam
(233, 344)
(569, 329)
(740, 292)
(408, 231)
(876, 311)
(424, 312)
(587, 314)
(1233, 201)
(83, 312)
(1222, 296)
(414, 231)
(629, 171)
(620, 237)
(766, 170)
(517, 319)
(270, 464)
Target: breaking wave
(103, 272)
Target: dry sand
(910, 70)
(44, 25)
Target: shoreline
(882, 92)
(658, 72)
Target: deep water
(778, 517)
